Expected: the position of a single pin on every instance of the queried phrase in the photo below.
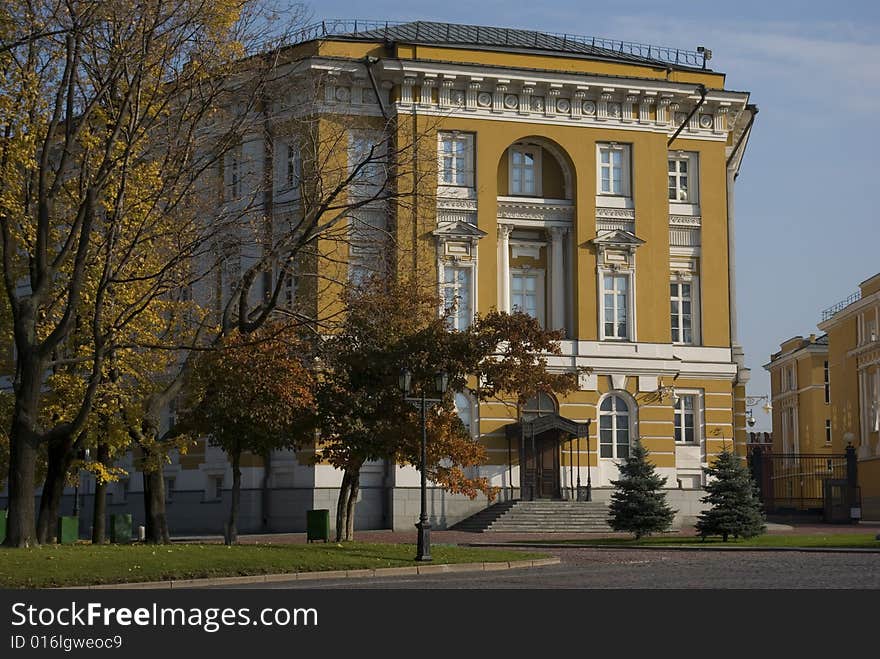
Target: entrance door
(547, 468)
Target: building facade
(826, 390)
(588, 183)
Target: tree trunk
(342, 507)
(99, 514)
(154, 507)
(355, 486)
(59, 459)
(23, 447)
(266, 494)
(231, 535)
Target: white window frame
(692, 159)
(288, 168)
(463, 163)
(695, 311)
(464, 401)
(614, 414)
(625, 150)
(630, 306)
(233, 174)
(828, 431)
(459, 322)
(697, 411)
(359, 144)
(522, 148)
(540, 294)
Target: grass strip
(85, 564)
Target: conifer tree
(735, 504)
(637, 504)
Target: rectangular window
(457, 296)
(685, 419)
(169, 488)
(681, 311)
(526, 295)
(457, 159)
(683, 177)
(614, 170)
(366, 158)
(233, 174)
(615, 296)
(827, 384)
(214, 491)
(525, 170)
(827, 431)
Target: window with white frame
(681, 312)
(366, 157)
(613, 170)
(170, 484)
(233, 174)
(525, 170)
(683, 177)
(465, 410)
(214, 489)
(456, 159)
(827, 431)
(827, 381)
(615, 307)
(614, 428)
(686, 426)
(457, 295)
(288, 170)
(527, 294)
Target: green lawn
(83, 564)
(830, 541)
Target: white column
(504, 266)
(557, 277)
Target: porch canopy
(544, 423)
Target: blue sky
(807, 230)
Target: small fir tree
(735, 504)
(637, 504)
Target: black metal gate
(808, 482)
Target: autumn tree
(253, 394)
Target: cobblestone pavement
(612, 569)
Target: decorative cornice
(685, 220)
(616, 213)
(516, 209)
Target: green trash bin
(318, 525)
(2, 525)
(120, 528)
(68, 530)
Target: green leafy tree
(638, 505)
(254, 394)
(735, 505)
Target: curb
(414, 570)
(826, 550)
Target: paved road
(596, 569)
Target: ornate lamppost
(441, 381)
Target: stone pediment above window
(617, 238)
(457, 240)
(616, 249)
(456, 209)
(458, 230)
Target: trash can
(318, 525)
(120, 528)
(68, 530)
(2, 525)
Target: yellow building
(585, 181)
(801, 396)
(853, 328)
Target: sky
(807, 230)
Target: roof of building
(430, 32)
(797, 343)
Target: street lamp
(441, 382)
(751, 401)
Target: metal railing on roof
(840, 306)
(473, 34)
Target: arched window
(614, 428)
(464, 409)
(540, 405)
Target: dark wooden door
(547, 468)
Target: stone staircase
(543, 516)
